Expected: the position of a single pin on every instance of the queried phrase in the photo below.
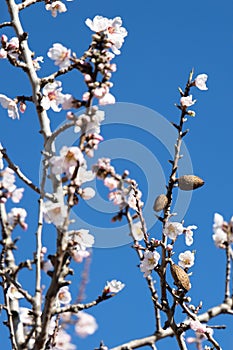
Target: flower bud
(189, 182)
(160, 202)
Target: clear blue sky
(166, 39)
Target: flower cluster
(10, 105)
(9, 47)
(17, 216)
(88, 125)
(122, 188)
(223, 231)
(8, 188)
(187, 101)
(175, 229)
(201, 329)
(72, 165)
(112, 28)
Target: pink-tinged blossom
(86, 325)
(112, 28)
(60, 54)
(63, 341)
(67, 101)
(52, 96)
(22, 107)
(114, 287)
(219, 229)
(66, 163)
(79, 255)
(54, 213)
(187, 101)
(186, 259)
(88, 193)
(149, 262)
(86, 96)
(81, 238)
(137, 231)
(10, 105)
(118, 198)
(200, 81)
(17, 195)
(189, 234)
(89, 123)
(64, 296)
(116, 34)
(3, 53)
(17, 216)
(8, 179)
(201, 328)
(55, 7)
(132, 202)
(98, 24)
(173, 229)
(107, 99)
(111, 182)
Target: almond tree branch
(223, 308)
(28, 3)
(37, 298)
(5, 24)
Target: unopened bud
(190, 182)
(160, 202)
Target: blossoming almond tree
(51, 311)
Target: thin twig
(5, 24)
(28, 3)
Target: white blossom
(186, 259)
(137, 231)
(54, 212)
(55, 7)
(82, 238)
(17, 216)
(189, 234)
(200, 81)
(187, 101)
(114, 286)
(60, 54)
(52, 96)
(10, 105)
(86, 324)
(98, 24)
(87, 193)
(69, 158)
(63, 341)
(63, 295)
(173, 229)
(112, 28)
(107, 99)
(149, 262)
(219, 236)
(90, 123)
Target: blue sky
(166, 40)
